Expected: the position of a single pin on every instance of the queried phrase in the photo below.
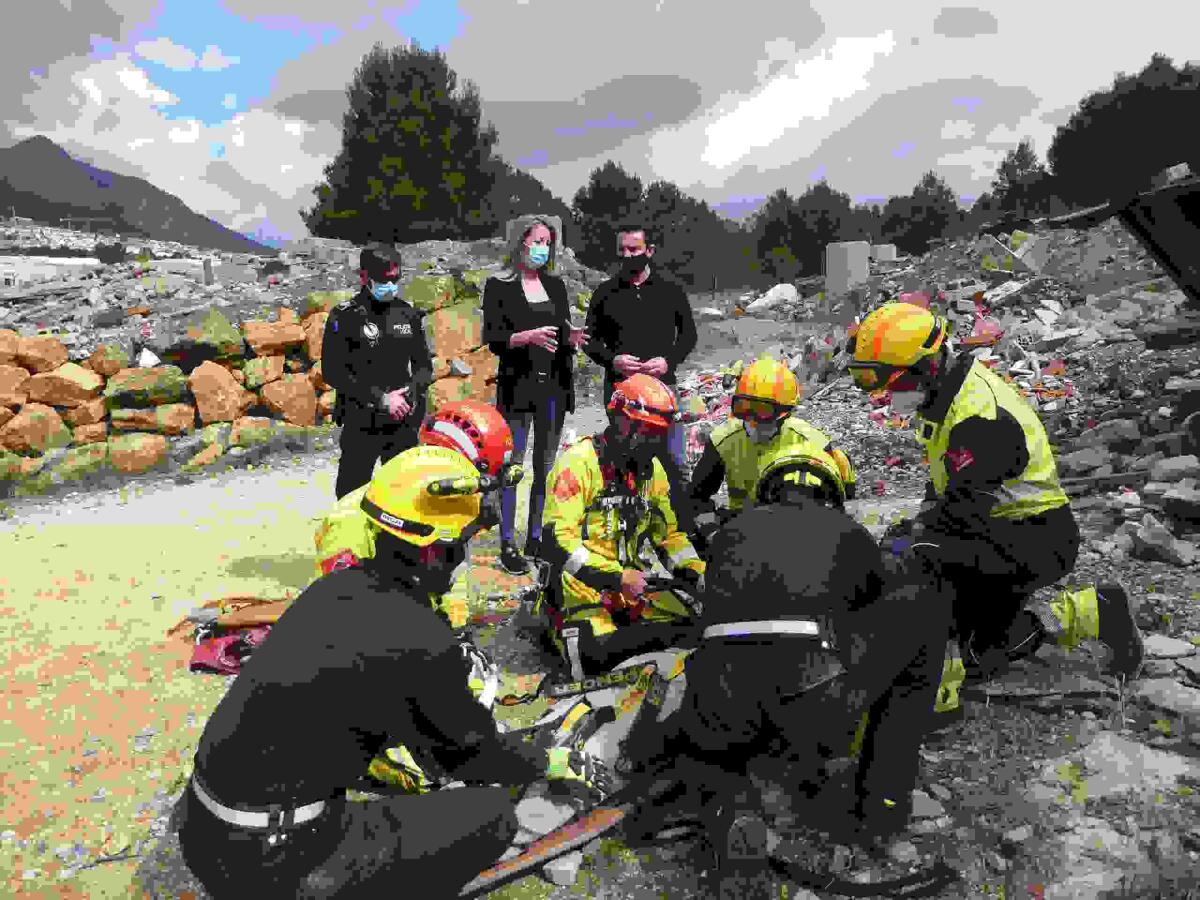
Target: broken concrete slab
(1170, 696)
(1159, 646)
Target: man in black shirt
(639, 322)
(376, 356)
(358, 662)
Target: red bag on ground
(224, 655)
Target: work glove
(566, 764)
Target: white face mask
(761, 432)
(905, 403)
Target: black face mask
(631, 266)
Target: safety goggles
(619, 403)
(877, 377)
(753, 409)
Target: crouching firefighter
(999, 525)
(346, 537)
(762, 425)
(608, 497)
(265, 813)
(807, 624)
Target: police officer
(377, 359)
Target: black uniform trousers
(427, 846)
(363, 442)
(991, 566)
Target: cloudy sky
(235, 105)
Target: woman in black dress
(527, 324)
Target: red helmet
(473, 428)
(644, 399)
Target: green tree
(930, 212)
(413, 162)
(515, 193)
(1120, 138)
(610, 196)
(825, 216)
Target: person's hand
(565, 764)
(579, 337)
(633, 584)
(398, 405)
(545, 337)
(656, 366)
(626, 364)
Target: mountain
(45, 183)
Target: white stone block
(846, 264)
(884, 252)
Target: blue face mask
(383, 290)
(539, 254)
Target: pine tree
(413, 162)
(610, 196)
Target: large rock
(200, 337)
(250, 431)
(80, 461)
(317, 377)
(263, 370)
(132, 453)
(1169, 695)
(1119, 433)
(9, 342)
(218, 395)
(108, 360)
(326, 402)
(35, 429)
(314, 334)
(145, 387)
(6, 415)
(454, 332)
(1182, 504)
(68, 385)
(1159, 646)
(292, 397)
(88, 413)
(271, 338)
(14, 382)
(1154, 542)
(170, 418)
(90, 434)
(779, 294)
(205, 457)
(1084, 460)
(1176, 469)
(41, 354)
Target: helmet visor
(876, 377)
(753, 409)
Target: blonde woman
(527, 324)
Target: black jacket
(371, 348)
(809, 560)
(505, 312)
(353, 666)
(651, 319)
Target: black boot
(511, 561)
(533, 547)
(1119, 632)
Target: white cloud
(188, 135)
(92, 91)
(955, 129)
(140, 142)
(294, 128)
(1003, 134)
(165, 51)
(138, 83)
(214, 60)
(981, 160)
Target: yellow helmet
(426, 495)
(766, 390)
(826, 474)
(891, 341)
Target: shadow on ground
(297, 570)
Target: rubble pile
(178, 363)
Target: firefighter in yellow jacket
(608, 497)
(761, 427)
(998, 524)
(346, 537)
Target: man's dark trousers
(363, 445)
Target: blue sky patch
(904, 149)
(430, 23)
(971, 103)
(535, 159)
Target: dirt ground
(1037, 792)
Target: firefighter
(356, 661)
(997, 522)
(761, 426)
(346, 537)
(608, 497)
(807, 625)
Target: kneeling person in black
(356, 664)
